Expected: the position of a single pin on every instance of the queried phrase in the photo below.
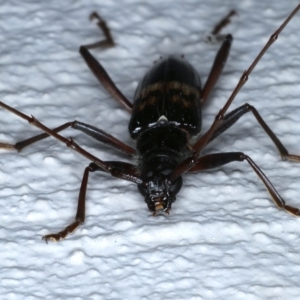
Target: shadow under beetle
(165, 122)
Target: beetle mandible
(166, 123)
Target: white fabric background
(224, 238)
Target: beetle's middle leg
(92, 131)
(233, 116)
(218, 65)
(109, 167)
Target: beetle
(166, 124)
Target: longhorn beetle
(165, 119)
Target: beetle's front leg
(233, 116)
(119, 169)
(80, 215)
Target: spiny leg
(105, 166)
(92, 131)
(219, 159)
(234, 116)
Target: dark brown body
(166, 114)
(169, 92)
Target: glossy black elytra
(165, 122)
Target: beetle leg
(106, 166)
(108, 42)
(191, 161)
(103, 137)
(104, 79)
(234, 115)
(80, 215)
(218, 159)
(215, 160)
(22, 144)
(221, 56)
(224, 22)
(120, 167)
(97, 68)
(202, 142)
(92, 131)
(217, 68)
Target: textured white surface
(224, 238)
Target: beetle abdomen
(169, 92)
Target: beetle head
(158, 190)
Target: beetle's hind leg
(22, 144)
(223, 23)
(104, 79)
(98, 69)
(215, 35)
(221, 57)
(108, 41)
(92, 131)
(216, 70)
